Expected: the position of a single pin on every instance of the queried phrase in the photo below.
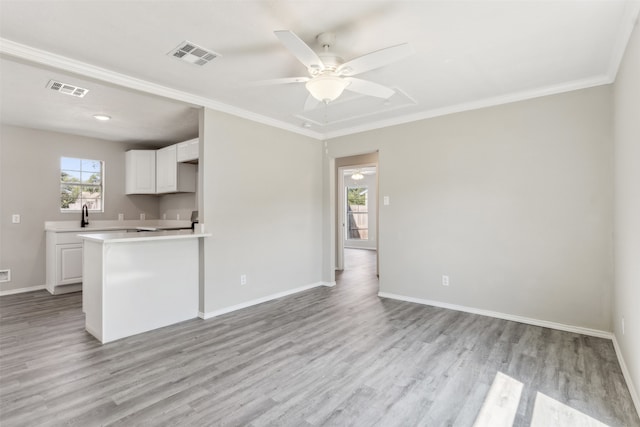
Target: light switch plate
(15, 218)
(386, 200)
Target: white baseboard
(535, 322)
(21, 290)
(219, 312)
(627, 376)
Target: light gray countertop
(141, 236)
(106, 225)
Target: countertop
(105, 225)
(141, 237)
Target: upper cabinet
(171, 176)
(188, 151)
(159, 172)
(140, 170)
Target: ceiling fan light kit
(330, 75)
(326, 88)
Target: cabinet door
(166, 169)
(140, 172)
(69, 259)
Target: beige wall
(513, 203)
(30, 177)
(264, 224)
(626, 130)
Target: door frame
(338, 214)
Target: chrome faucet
(85, 216)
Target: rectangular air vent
(67, 88)
(193, 54)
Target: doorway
(357, 213)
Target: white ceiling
(468, 54)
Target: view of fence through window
(81, 184)
(357, 213)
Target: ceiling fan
(329, 75)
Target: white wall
(513, 202)
(626, 129)
(264, 224)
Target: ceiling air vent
(67, 88)
(193, 54)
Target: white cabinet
(140, 170)
(188, 151)
(69, 259)
(171, 176)
(158, 172)
(64, 262)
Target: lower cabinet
(64, 262)
(69, 264)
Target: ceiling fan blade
(374, 60)
(311, 103)
(366, 87)
(300, 49)
(282, 81)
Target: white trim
(256, 301)
(476, 105)
(535, 322)
(627, 376)
(329, 284)
(21, 290)
(39, 56)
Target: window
(81, 183)
(357, 213)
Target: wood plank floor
(325, 357)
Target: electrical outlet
(164, 215)
(15, 218)
(243, 279)
(445, 280)
(623, 326)
(120, 217)
(5, 275)
(178, 217)
(142, 216)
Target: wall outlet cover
(5, 275)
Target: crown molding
(39, 56)
(475, 105)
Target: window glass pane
(69, 176)
(91, 177)
(69, 163)
(91, 165)
(69, 196)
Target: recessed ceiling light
(102, 117)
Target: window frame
(81, 184)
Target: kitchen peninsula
(137, 282)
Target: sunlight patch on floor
(548, 412)
(501, 405)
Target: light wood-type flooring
(337, 356)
